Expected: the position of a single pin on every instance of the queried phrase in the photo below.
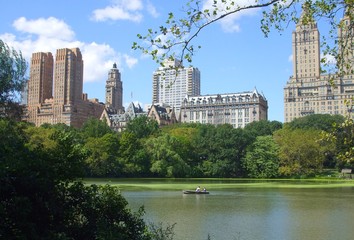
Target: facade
(114, 91)
(118, 121)
(237, 109)
(59, 99)
(173, 82)
(307, 91)
(164, 115)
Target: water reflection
(255, 213)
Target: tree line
(263, 149)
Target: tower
(40, 84)
(173, 82)
(41, 78)
(68, 76)
(306, 48)
(308, 91)
(114, 90)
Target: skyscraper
(40, 85)
(66, 103)
(114, 90)
(307, 91)
(173, 82)
(68, 82)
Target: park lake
(245, 209)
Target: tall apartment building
(237, 109)
(307, 91)
(114, 91)
(59, 99)
(40, 84)
(173, 82)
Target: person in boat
(198, 189)
(204, 189)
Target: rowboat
(194, 192)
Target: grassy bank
(215, 184)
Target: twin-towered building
(55, 90)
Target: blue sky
(235, 56)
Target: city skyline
(239, 59)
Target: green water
(247, 209)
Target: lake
(246, 210)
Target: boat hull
(194, 192)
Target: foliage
(300, 153)
(12, 78)
(263, 127)
(220, 150)
(322, 122)
(165, 159)
(342, 136)
(102, 155)
(261, 160)
(40, 198)
(132, 155)
(95, 128)
(142, 126)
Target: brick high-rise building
(59, 100)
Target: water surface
(251, 212)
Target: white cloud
(130, 10)
(98, 58)
(120, 10)
(151, 9)
(229, 23)
(130, 61)
(115, 13)
(132, 5)
(50, 27)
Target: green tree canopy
(324, 122)
(41, 198)
(263, 127)
(94, 127)
(261, 160)
(12, 79)
(300, 152)
(142, 126)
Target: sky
(235, 56)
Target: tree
(220, 150)
(132, 155)
(165, 159)
(94, 127)
(102, 156)
(175, 38)
(261, 160)
(263, 127)
(142, 126)
(324, 122)
(42, 198)
(12, 79)
(300, 152)
(342, 135)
